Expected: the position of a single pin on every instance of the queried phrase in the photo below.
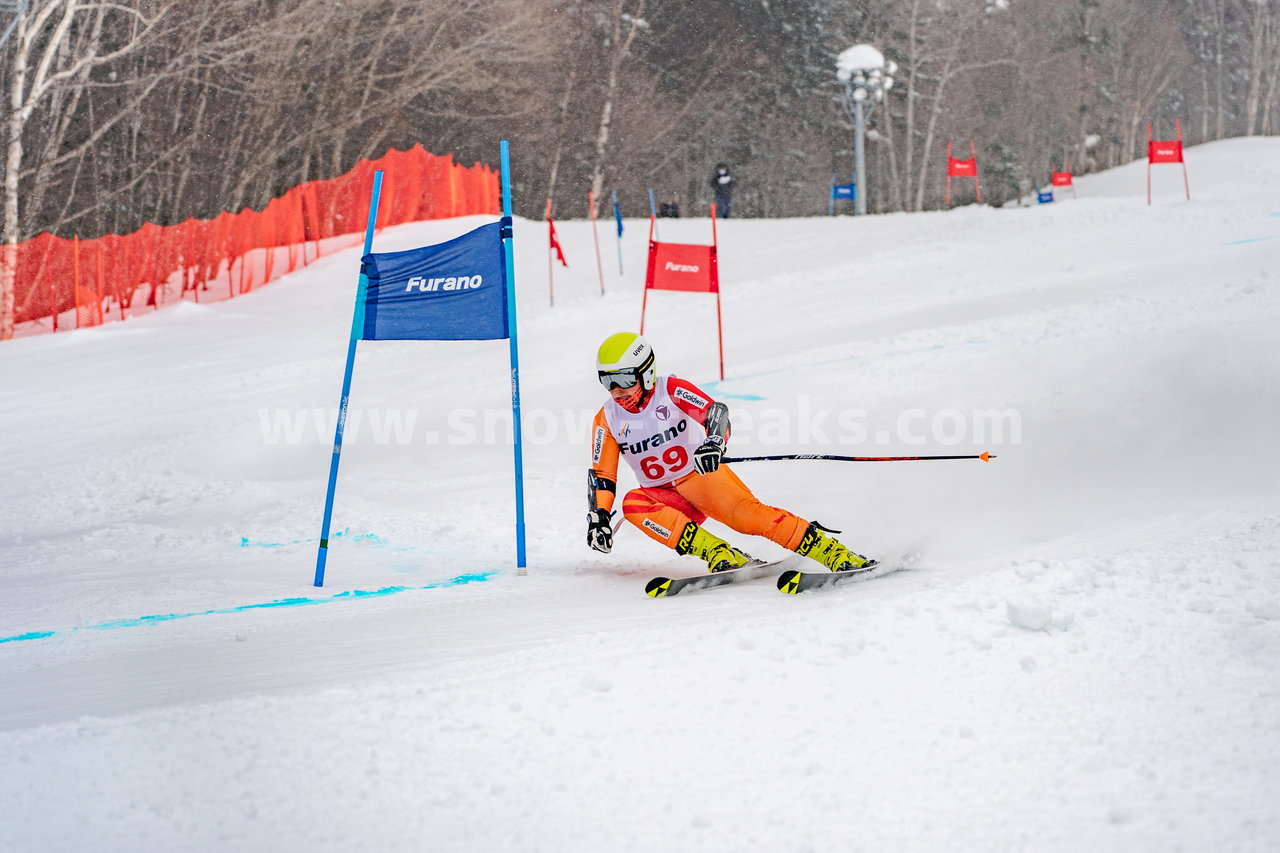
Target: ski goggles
(611, 379)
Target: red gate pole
(715, 272)
(1148, 164)
(648, 279)
(977, 182)
(720, 334)
(1183, 159)
(551, 258)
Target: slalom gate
(1166, 151)
(691, 267)
(1063, 179)
(206, 260)
(459, 290)
(963, 169)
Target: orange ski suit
(663, 511)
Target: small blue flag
(839, 191)
(1044, 196)
(452, 291)
(617, 212)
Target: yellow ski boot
(817, 545)
(719, 554)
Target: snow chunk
(1028, 614)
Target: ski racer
(673, 435)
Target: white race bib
(659, 440)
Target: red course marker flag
(555, 244)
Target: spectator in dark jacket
(722, 183)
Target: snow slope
(1082, 653)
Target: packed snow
(1080, 651)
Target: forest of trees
(121, 112)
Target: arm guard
(595, 483)
(717, 423)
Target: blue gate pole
(508, 254)
(653, 211)
(617, 216)
(357, 332)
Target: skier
(673, 435)
(722, 184)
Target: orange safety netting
(207, 260)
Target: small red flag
(555, 244)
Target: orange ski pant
(719, 495)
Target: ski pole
(985, 457)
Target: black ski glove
(707, 457)
(600, 531)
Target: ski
(667, 587)
(794, 581)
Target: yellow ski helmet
(625, 359)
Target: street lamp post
(866, 76)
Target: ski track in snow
(1082, 653)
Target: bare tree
(940, 49)
(1149, 57)
(624, 27)
(1263, 18)
(57, 43)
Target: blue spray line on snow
(1249, 240)
(724, 395)
(350, 595)
(246, 542)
